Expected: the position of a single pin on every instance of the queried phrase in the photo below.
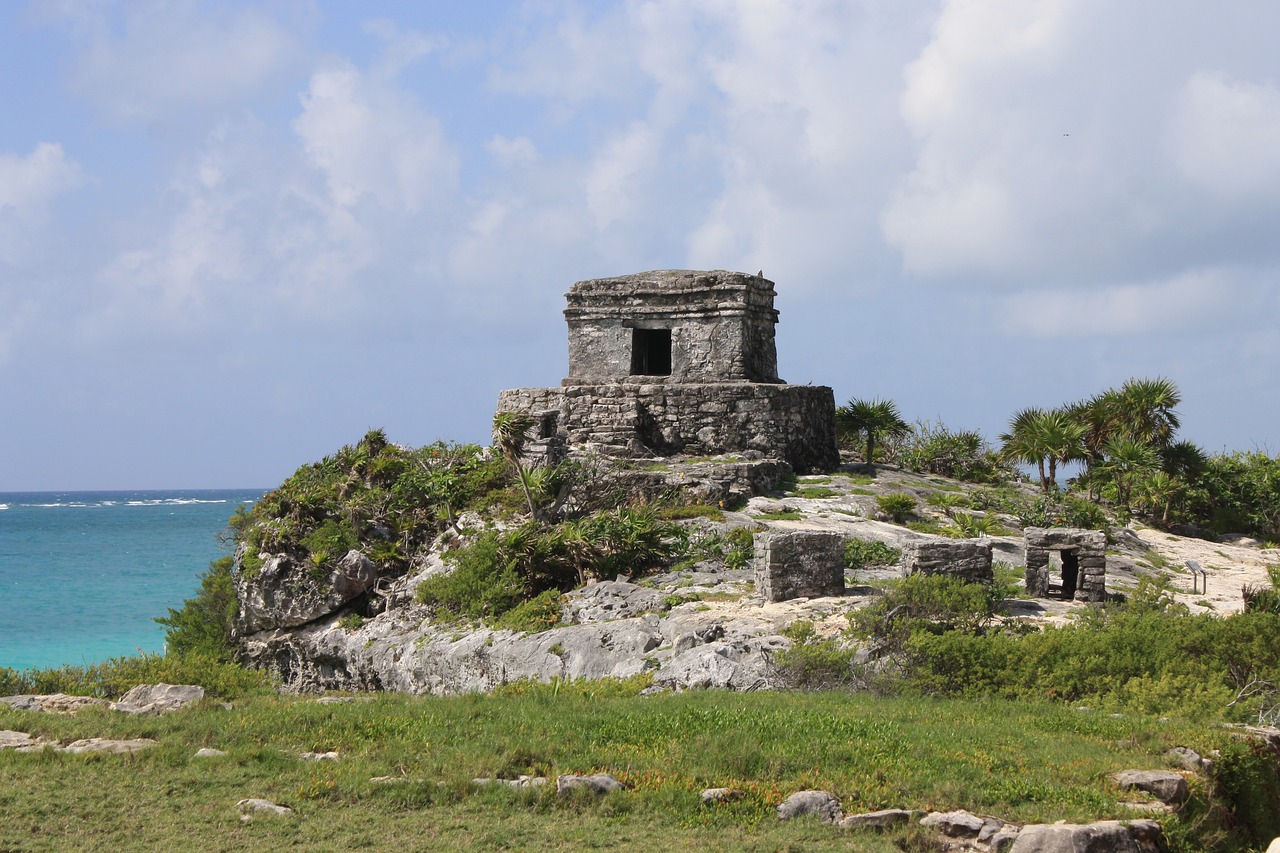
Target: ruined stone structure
(966, 560)
(1082, 557)
(678, 363)
(799, 564)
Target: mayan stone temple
(678, 363)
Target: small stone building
(969, 561)
(1080, 556)
(799, 564)
(678, 363)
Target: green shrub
(741, 550)
(203, 624)
(971, 525)
(812, 662)
(330, 541)
(114, 678)
(1248, 776)
(537, 614)
(482, 584)
(961, 455)
(860, 553)
(899, 506)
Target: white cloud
(372, 140)
(1191, 299)
(28, 187)
(509, 153)
(145, 59)
(1225, 136)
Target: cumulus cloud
(373, 140)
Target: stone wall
(795, 423)
(967, 560)
(799, 564)
(721, 326)
(1084, 562)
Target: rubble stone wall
(799, 564)
(970, 561)
(795, 423)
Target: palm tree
(1129, 461)
(1045, 439)
(510, 432)
(872, 420)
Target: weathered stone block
(968, 560)
(799, 564)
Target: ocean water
(82, 574)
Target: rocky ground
(706, 626)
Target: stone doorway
(650, 352)
(1078, 557)
(1065, 564)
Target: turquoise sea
(82, 574)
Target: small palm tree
(870, 420)
(1046, 439)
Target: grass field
(1023, 762)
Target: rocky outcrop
(284, 594)
(1108, 836)
(404, 650)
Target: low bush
(899, 506)
(860, 553)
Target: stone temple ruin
(678, 363)
(1079, 555)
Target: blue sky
(235, 236)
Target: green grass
(1021, 761)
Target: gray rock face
(799, 563)
(822, 804)
(158, 698)
(609, 600)
(285, 594)
(1189, 759)
(1164, 785)
(1108, 836)
(402, 650)
(970, 561)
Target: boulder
(285, 593)
(254, 805)
(1164, 785)
(53, 703)
(209, 752)
(518, 783)
(715, 796)
(158, 698)
(598, 784)
(115, 747)
(822, 804)
(1108, 836)
(17, 740)
(876, 820)
(1188, 759)
(960, 824)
